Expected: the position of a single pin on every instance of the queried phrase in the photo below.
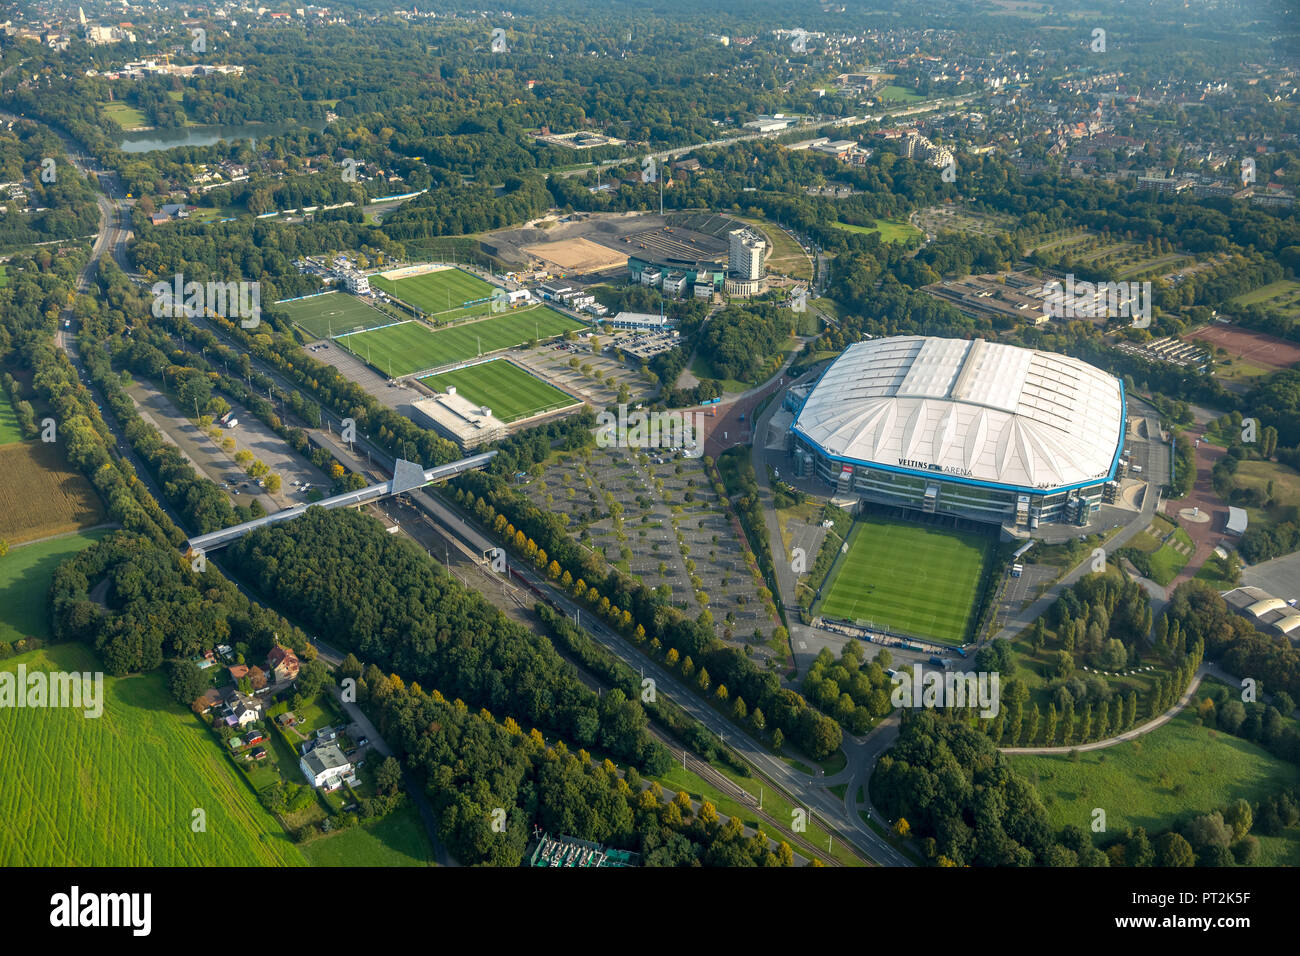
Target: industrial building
(1269, 614)
(972, 429)
(456, 418)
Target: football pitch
(443, 291)
(413, 346)
(508, 390)
(332, 313)
(908, 577)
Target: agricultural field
(933, 596)
(507, 389)
(333, 313)
(889, 230)
(9, 430)
(1177, 771)
(413, 346)
(121, 789)
(444, 291)
(40, 495)
(25, 575)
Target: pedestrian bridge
(407, 476)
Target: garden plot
(658, 518)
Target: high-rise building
(746, 254)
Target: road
(114, 234)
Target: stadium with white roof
(973, 429)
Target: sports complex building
(972, 429)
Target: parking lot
(655, 515)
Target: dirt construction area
(1255, 347)
(576, 255)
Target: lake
(146, 141)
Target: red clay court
(1255, 347)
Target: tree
(185, 681)
(388, 778)
(778, 739)
(903, 828)
(1172, 850)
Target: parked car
(363, 741)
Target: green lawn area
(121, 789)
(507, 389)
(9, 430)
(1281, 296)
(25, 574)
(1169, 775)
(332, 313)
(126, 116)
(892, 92)
(1169, 560)
(444, 291)
(399, 839)
(913, 578)
(4, 278)
(413, 346)
(889, 230)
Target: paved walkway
(1133, 734)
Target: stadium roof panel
(971, 410)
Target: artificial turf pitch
(508, 390)
(332, 314)
(907, 577)
(413, 346)
(441, 291)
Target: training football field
(508, 390)
(909, 577)
(442, 291)
(332, 314)
(413, 346)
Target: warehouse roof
(971, 410)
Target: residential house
(283, 663)
(325, 766)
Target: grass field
(1281, 296)
(40, 495)
(1176, 772)
(413, 346)
(508, 390)
(332, 314)
(444, 291)
(127, 117)
(399, 839)
(889, 230)
(25, 575)
(910, 577)
(9, 430)
(121, 790)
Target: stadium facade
(973, 429)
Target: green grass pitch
(508, 390)
(913, 578)
(332, 314)
(442, 291)
(413, 346)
